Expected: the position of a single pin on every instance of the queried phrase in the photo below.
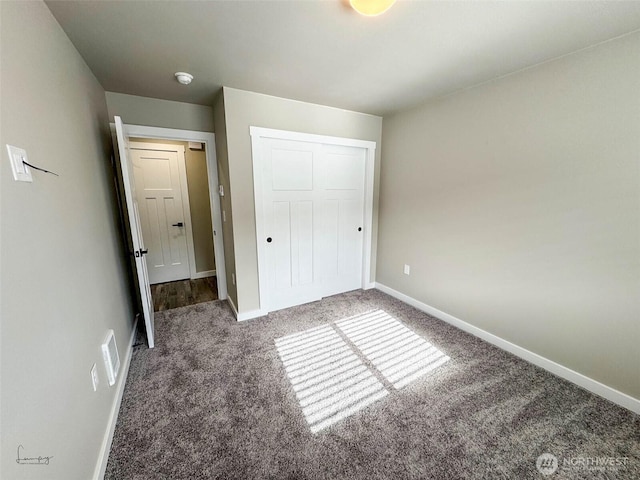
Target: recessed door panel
(282, 245)
(155, 258)
(349, 252)
(292, 169)
(303, 230)
(157, 173)
(344, 171)
(331, 239)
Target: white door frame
(209, 140)
(259, 133)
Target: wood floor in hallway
(183, 292)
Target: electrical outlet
(407, 269)
(94, 377)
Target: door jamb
(208, 138)
(258, 133)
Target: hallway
(183, 292)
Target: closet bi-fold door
(313, 199)
(292, 203)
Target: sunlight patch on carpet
(398, 353)
(330, 381)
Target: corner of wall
(222, 153)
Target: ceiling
(322, 51)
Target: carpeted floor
(213, 401)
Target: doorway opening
(171, 186)
(175, 227)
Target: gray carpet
(213, 401)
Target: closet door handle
(359, 229)
(269, 239)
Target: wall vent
(111, 357)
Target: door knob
(359, 229)
(144, 252)
(269, 239)
(179, 224)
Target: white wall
(153, 112)
(517, 205)
(63, 264)
(244, 109)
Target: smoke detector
(184, 78)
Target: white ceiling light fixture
(184, 78)
(371, 8)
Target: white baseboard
(241, 317)
(579, 379)
(204, 274)
(251, 315)
(103, 458)
(233, 307)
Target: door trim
(184, 193)
(204, 274)
(209, 140)
(259, 133)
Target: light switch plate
(17, 157)
(407, 269)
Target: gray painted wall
(244, 109)
(63, 275)
(517, 205)
(200, 207)
(153, 112)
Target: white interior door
(159, 197)
(312, 219)
(342, 182)
(291, 202)
(136, 230)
